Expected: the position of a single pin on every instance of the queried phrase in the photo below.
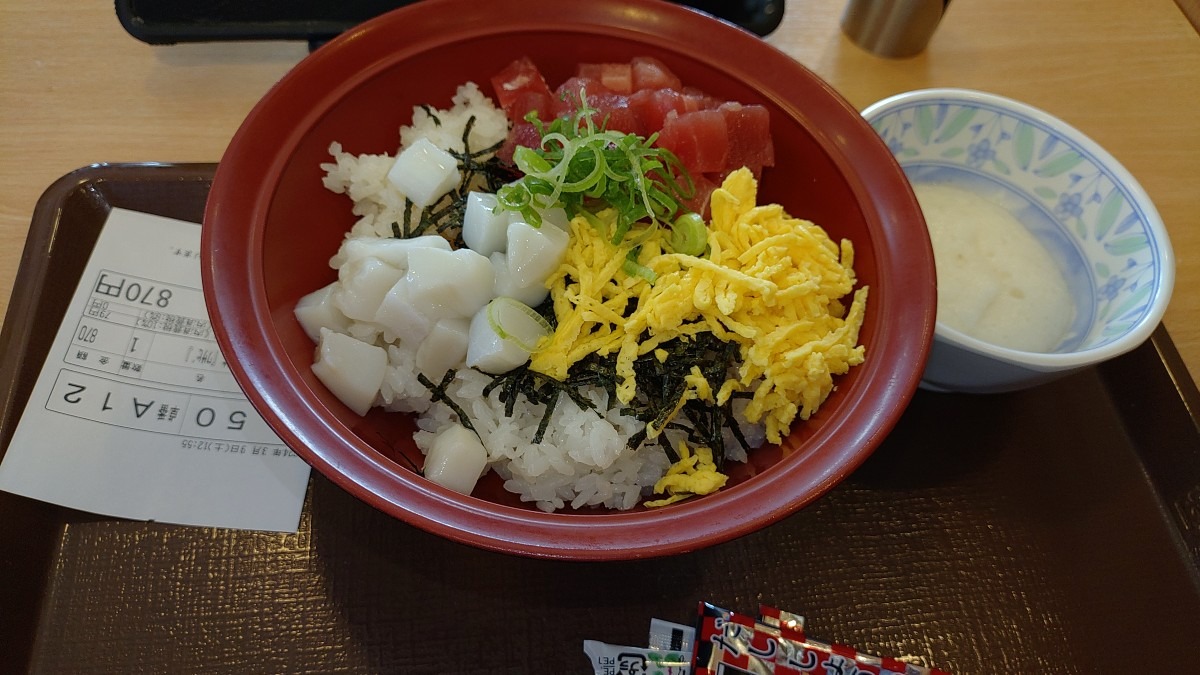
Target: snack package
(778, 618)
(668, 652)
(621, 660)
(729, 643)
(798, 654)
(668, 636)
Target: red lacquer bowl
(270, 229)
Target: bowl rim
(1043, 361)
(242, 319)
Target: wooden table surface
(76, 89)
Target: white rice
(583, 459)
(363, 178)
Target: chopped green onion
(689, 234)
(635, 269)
(517, 322)
(579, 164)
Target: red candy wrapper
(730, 643)
(777, 618)
(733, 644)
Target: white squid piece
(362, 287)
(447, 284)
(400, 317)
(503, 335)
(444, 348)
(424, 172)
(390, 250)
(350, 368)
(456, 459)
(532, 295)
(316, 311)
(483, 229)
(534, 253)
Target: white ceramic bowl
(1074, 197)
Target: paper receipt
(135, 413)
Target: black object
(1053, 531)
(317, 21)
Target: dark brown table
(1055, 530)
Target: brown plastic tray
(1055, 530)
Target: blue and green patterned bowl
(1073, 196)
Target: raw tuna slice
(653, 105)
(710, 136)
(699, 139)
(566, 96)
(614, 113)
(521, 85)
(521, 133)
(650, 73)
(694, 100)
(616, 77)
(749, 128)
(698, 202)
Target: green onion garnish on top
(581, 166)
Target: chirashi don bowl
(270, 230)
(1085, 209)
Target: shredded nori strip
(432, 112)
(545, 421)
(661, 385)
(537, 389)
(438, 393)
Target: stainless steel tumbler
(892, 28)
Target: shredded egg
(694, 474)
(774, 284)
